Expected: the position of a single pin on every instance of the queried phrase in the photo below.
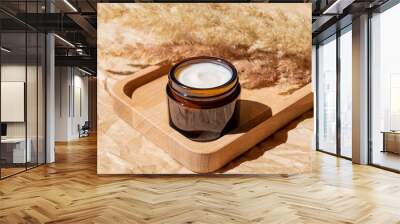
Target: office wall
(62, 81)
(16, 72)
(71, 102)
(80, 102)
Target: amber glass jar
(206, 106)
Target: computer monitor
(3, 129)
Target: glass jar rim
(202, 92)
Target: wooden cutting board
(141, 101)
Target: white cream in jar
(203, 75)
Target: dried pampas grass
(268, 43)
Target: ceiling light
(5, 50)
(80, 51)
(84, 71)
(70, 5)
(65, 41)
(337, 7)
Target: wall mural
(204, 88)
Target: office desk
(13, 150)
(391, 141)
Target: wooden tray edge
(201, 162)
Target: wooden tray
(141, 101)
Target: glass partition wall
(22, 77)
(345, 92)
(385, 89)
(334, 93)
(334, 90)
(327, 95)
(13, 89)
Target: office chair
(84, 130)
